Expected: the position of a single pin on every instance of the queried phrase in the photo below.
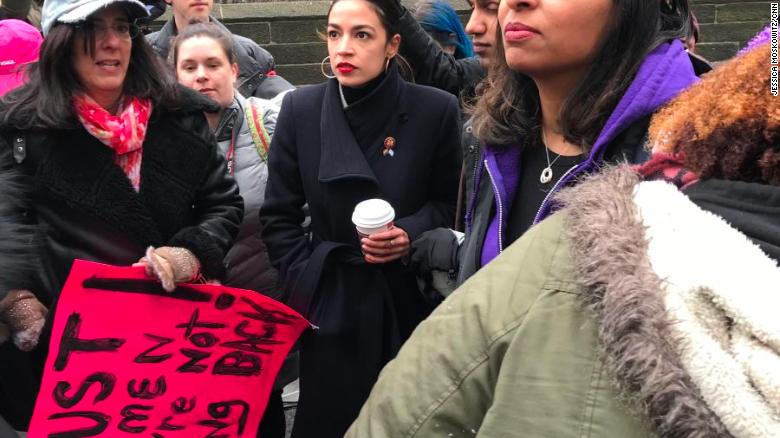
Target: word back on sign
(129, 359)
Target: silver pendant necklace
(547, 173)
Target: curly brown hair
(728, 125)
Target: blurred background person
(647, 307)
(365, 133)
(119, 164)
(432, 65)
(19, 46)
(205, 60)
(256, 67)
(27, 10)
(442, 23)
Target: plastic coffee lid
(373, 213)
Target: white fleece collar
(722, 295)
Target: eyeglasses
(121, 30)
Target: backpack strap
(254, 118)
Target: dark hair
(208, 30)
(45, 101)
(389, 13)
(508, 106)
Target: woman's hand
(386, 246)
(170, 265)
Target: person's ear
(169, 3)
(393, 46)
(234, 71)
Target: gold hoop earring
(322, 67)
(387, 64)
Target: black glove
(435, 250)
(395, 8)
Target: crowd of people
(584, 235)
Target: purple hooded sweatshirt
(664, 73)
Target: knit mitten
(171, 265)
(23, 317)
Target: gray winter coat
(247, 261)
(248, 266)
(256, 75)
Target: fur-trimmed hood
(686, 306)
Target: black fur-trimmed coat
(81, 204)
(15, 236)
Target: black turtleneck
(354, 94)
(372, 117)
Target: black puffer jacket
(256, 74)
(83, 206)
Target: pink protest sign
(129, 359)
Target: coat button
(469, 129)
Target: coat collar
(610, 253)
(168, 31)
(664, 73)
(341, 155)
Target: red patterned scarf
(124, 132)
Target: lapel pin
(389, 146)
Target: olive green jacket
(543, 341)
(520, 364)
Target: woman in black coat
(117, 163)
(15, 267)
(363, 134)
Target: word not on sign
(129, 359)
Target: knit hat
(19, 44)
(74, 11)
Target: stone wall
(289, 29)
(726, 25)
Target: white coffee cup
(373, 216)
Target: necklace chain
(547, 172)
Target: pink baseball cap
(19, 45)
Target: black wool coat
(331, 158)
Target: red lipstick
(345, 67)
